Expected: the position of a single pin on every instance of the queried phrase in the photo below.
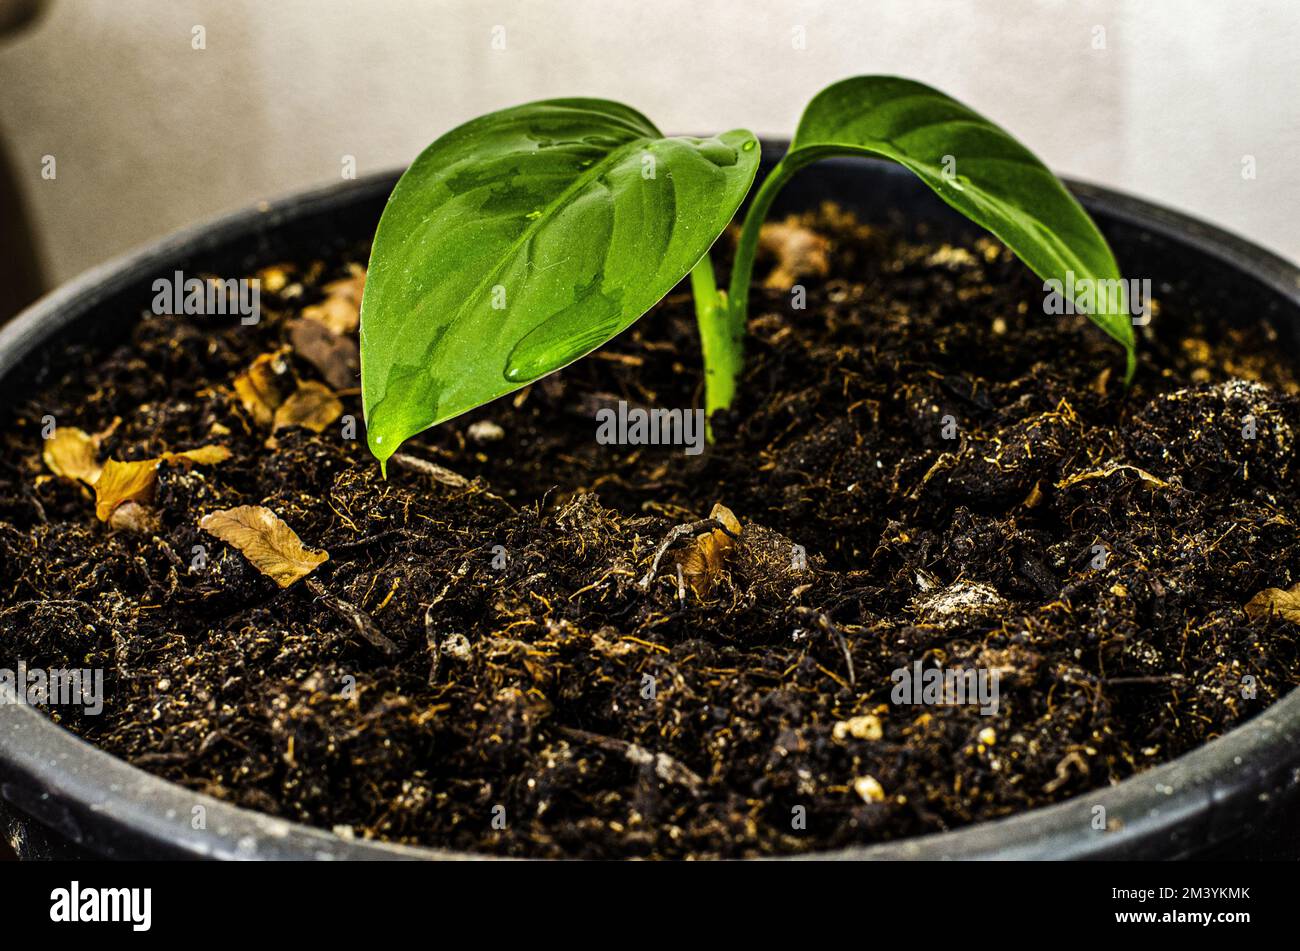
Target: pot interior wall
(1181, 264)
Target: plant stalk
(747, 247)
(722, 316)
(722, 352)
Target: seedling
(527, 238)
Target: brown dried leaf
(1283, 602)
(271, 546)
(264, 386)
(799, 252)
(335, 357)
(352, 287)
(71, 453)
(340, 311)
(338, 314)
(312, 405)
(204, 455)
(121, 482)
(704, 561)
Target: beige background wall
(150, 135)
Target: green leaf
(980, 170)
(523, 240)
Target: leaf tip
(379, 448)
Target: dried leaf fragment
(799, 252)
(334, 356)
(70, 453)
(340, 311)
(204, 455)
(271, 546)
(264, 386)
(312, 405)
(352, 287)
(704, 561)
(1285, 603)
(121, 482)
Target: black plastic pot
(66, 797)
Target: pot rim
(74, 788)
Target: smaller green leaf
(980, 170)
(525, 239)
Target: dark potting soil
(971, 483)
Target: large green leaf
(525, 239)
(981, 171)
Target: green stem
(722, 316)
(721, 355)
(747, 247)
